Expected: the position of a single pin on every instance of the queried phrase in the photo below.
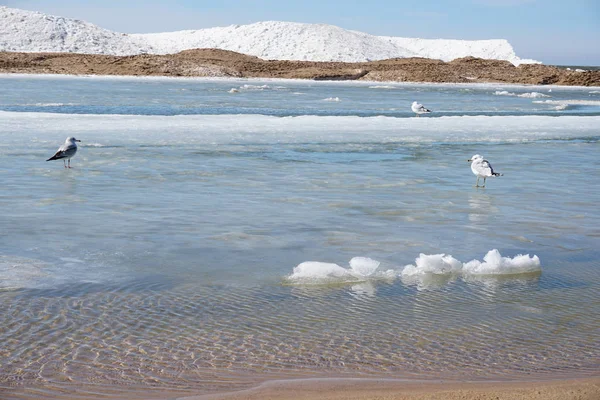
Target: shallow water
(162, 259)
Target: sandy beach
(345, 389)
(580, 389)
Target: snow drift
(29, 31)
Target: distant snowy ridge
(29, 31)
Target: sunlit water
(162, 259)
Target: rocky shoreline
(223, 63)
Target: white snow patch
(570, 102)
(29, 31)
(532, 95)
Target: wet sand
(359, 389)
(337, 389)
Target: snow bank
(28, 31)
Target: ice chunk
(320, 271)
(436, 264)
(494, 264)
(364, 266)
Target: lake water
(165, 258)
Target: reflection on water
(481, 207)
(162, 259)
(210, 337)
(428, 281)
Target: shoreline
(378, 389)
(228, 64)
(564, 388)
(482, 85)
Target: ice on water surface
(494, 264)
(426, 267)
(361, 269)
(200, 228)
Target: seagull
(66, 151)
(482, 169)
(419, 108)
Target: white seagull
(419, 108)
(66, 151)
(481, 168)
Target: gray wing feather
(64, 152)
(486, 164)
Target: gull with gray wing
(482, 169)
(66, 151)
(419, 109)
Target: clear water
(160, 260)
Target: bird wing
(485, 168)
(64, 151)
(420, 108)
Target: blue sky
(552, 31)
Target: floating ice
(316, 272)
(332, 99)
(429, 270)
(227, 129)
(255, 87)
(364, 266)
(570, 102)
(532, 95)
(494, 264)
(383, 87)
(321, 271)
(436, 264)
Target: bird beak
(469, 160)
(77, 140)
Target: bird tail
(497, 174)
(51, 158)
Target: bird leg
(477, 182)
(65, 163)
(69, 163)
(484, 181)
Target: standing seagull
(481, 168)
(66, 151)
(419, 108)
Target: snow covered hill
(29, 31)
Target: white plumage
(418, 108)
(481, 168)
